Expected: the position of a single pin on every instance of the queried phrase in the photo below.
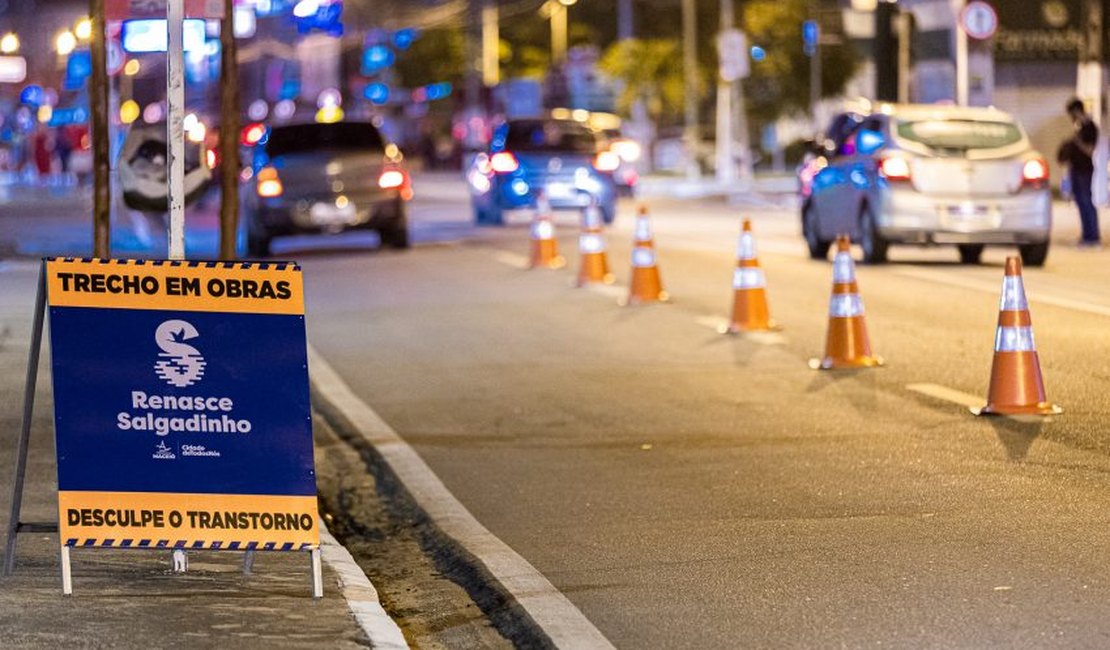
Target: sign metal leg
(180, 561)
(248, 562)
(67, 573)
(317, 575)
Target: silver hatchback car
(917, 174)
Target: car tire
(608, 213)
(396, 233)
(970, 253)
(490, 216)
(818, 249)
(1033, 254)
(873, 245)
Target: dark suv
(325, 178)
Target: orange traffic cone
(846, 345)
(646, 285)
(1016, 384)
(591, 247)
(545, 248)
(749, 304)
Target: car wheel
(490, 216)
(396, 233)
(873, 245)
(970, 253)
(608, 213)
(258, 242)
(818, 249)
(1033, 254)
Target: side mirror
(868, 141)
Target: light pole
(556, 10)
(691, 132)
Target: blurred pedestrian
(43, 151)
(1077, 152)
(63, 145)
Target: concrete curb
(553, 616)
(361, 597)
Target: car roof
(943, 112)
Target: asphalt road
(691, 490)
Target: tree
(436, 55)
(779, 85)
(649, 70)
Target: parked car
(324, 178)
(922, 175)
(564, 158)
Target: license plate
(968, 211)
(328, 214)
(560, 190)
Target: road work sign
(181, 405)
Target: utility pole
(1090, 88)
(175, 129)
(726, 159)
(624, 20)
(886, 57)
(963, 89)
(691, 133)
(229, 136)
(558, 32)
(98, 107)
(491, 43)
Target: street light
(83, 29)
(556, 10)
(9, 43)
(65, 43)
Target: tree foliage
(779, 85)
(649, 70)
(437, 55)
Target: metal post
(317, 575)
(886, 57)
(691, 132)
(248, 562)
(180, 561)
(558, 32)
(25, 426)
(98, 107)
(624, 20)
(962, 83)
(491, 43)
(726, 165)
(67, 572)
(229, 143)
(175, 131)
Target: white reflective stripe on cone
(844, 270)
(543, 229)
(749, 278)
(1014, 339)
(1013, 294)
(643, 257)
(746, 248)
(844, 305)
(591, 243)
(643, 229)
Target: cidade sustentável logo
(181, 364)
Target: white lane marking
(511, 259)
(609, 290)
(563, 623)
(361, 597)
(996, 289)
(948, 394)
(719, 324)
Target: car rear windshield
(550, 135)
(346, 136)
(960, 135)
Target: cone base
(553, 263)
(828, 363)
(662, 296)
(740, 328)
(608, 278)
(1043, 408)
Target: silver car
(923, 175)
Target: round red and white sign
(979, 20)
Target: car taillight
(1034, 172)
(391, 179)
(895, 168)
(503, 162)
(607, 161)
(252, 134)
(212, 158)
(269, 185)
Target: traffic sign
(732, 49)
(979, 20)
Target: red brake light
(504, 162)
(607, 161)
(1034, 171)
(252, 134)
(213, 158)
(895, 168)
(391, 179)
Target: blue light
(810, 32)
(79, 65)
(403, 38)
(758, 53)
(377, 92)
(439, 91)
(520, 187)
(375, 58)
(32, 95)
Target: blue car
(565, 159)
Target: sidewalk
(131, 599)
(767, 189)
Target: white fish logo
(181, 365)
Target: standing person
(1078, 151)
